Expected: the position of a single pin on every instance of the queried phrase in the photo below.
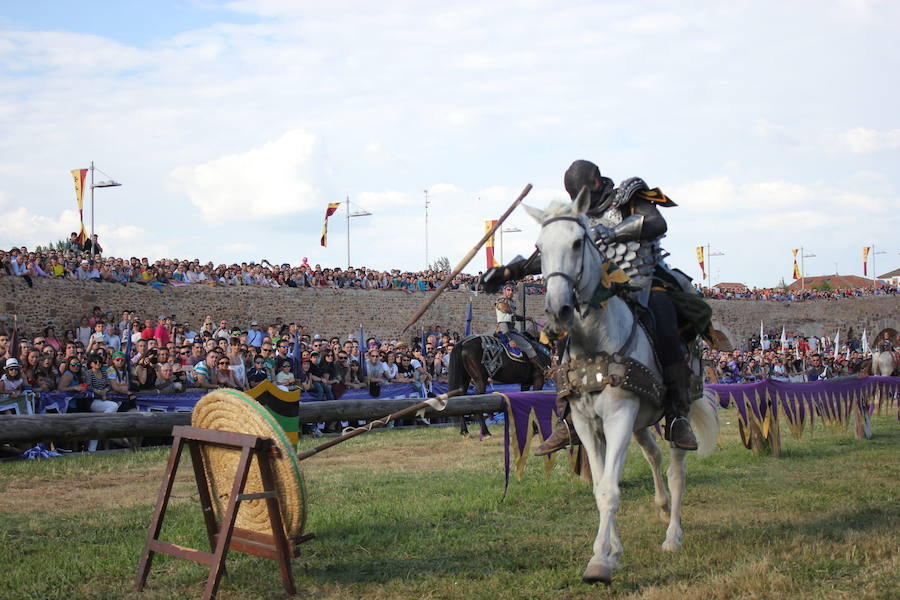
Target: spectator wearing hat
(162, 331)
(12, 382)
(255, 335)
(85, 272)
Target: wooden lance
(379, 423)
(465, 260)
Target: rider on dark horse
(627, 228)
(506, 317)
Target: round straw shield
(231, 410)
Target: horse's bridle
(586, 241)
(573, 281)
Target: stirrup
(551, 445)
(684, 445)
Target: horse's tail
(457, 376)
(705, 423)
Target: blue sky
(232, 124)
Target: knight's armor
(505, 319)
(628, 227)
(505, 308)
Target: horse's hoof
(597, 573)
(486, 436)
(671, 545)
(465, 434)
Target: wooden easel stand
(223, 536)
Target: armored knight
(506, 316)
(627, 228)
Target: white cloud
(656, 23)
(23, 227)
(864, 141)
(382, 200)
(273, 180)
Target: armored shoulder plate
(627, 189)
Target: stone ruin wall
(383, 313)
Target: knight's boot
(677, 406)
(564, 435)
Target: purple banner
(833, 401)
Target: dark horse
(466, 367)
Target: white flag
(837, 339)
(865, 343)
(783, 339)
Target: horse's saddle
(511, 352)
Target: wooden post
(99, 426)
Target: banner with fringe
(832, 401)
(530, 414)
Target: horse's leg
(652, 453)
(485, 432)
(617, 426)
(676, 487)
(479, 381)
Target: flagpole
(802, 271)
(709, 268)
(348, 231)
(93, 252)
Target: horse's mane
(563, 209)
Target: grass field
(418, 514)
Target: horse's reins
(574, 281)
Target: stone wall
(383, 314)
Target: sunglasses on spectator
(224, 362)
(75, 364)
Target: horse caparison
(466, 369)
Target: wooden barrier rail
(101, 426)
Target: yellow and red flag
(489, 246)
(796, 267)
(700, 260)
(78, 175)
(332, 207)
(866, 259)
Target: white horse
(884, 363)
(606, 420)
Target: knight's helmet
(585, 173)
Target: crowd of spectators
(170, 357)
(85, 262)
(75, 263)
(798, 359)
(109, 358)
(787, 295)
